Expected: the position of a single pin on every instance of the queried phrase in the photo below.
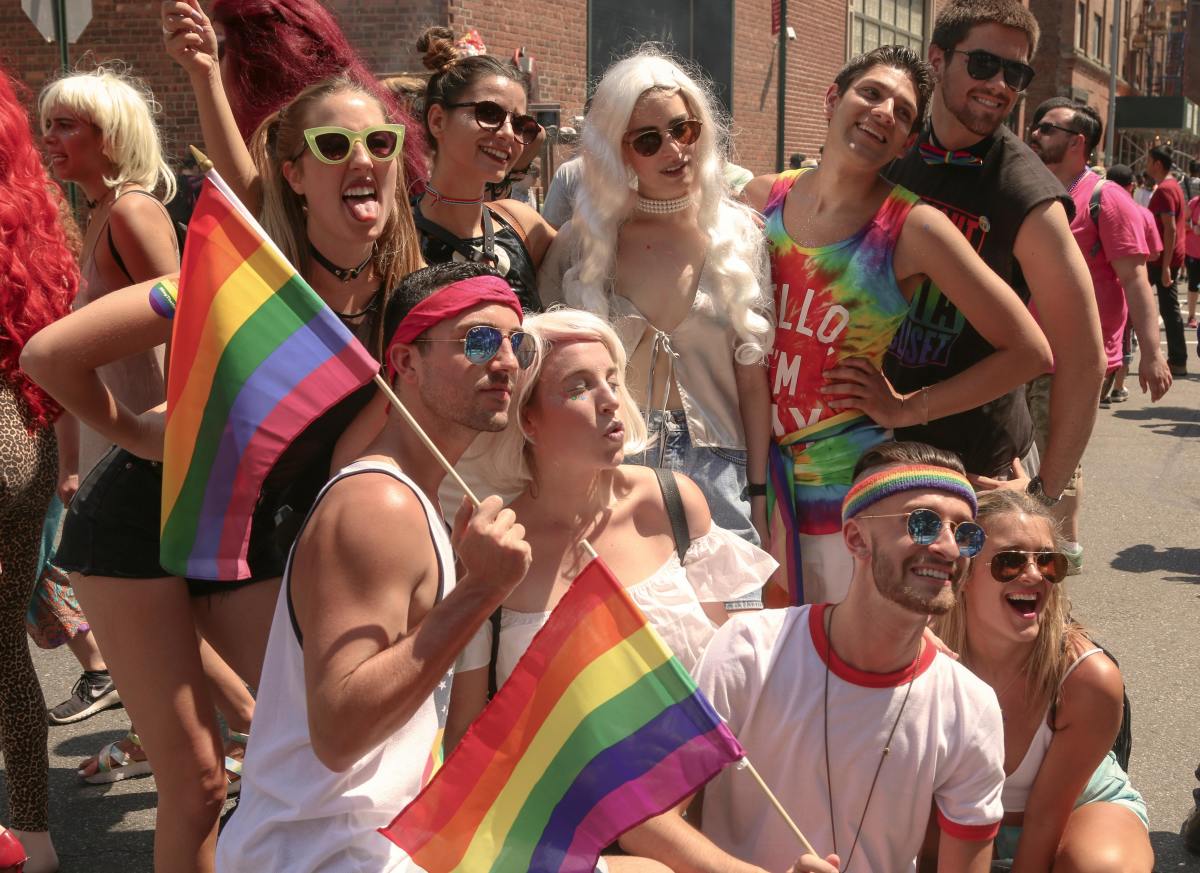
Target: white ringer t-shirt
(765, 673)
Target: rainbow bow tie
(954, 157)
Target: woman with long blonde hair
(658, 246)
(1068, 803)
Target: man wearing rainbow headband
(370, 616)
(862, 723)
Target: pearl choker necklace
(663, 207)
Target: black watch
(1038, 493)
(756, 489)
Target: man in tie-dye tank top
(847, 251)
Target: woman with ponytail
(38, 279)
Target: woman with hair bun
(475, 117)
(38, 279)
(658, 245)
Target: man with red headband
(371, 616)
(857, 722)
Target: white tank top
(295, 814)
(1017, 786)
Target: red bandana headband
(447, 302)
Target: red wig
(274, 49)
(38, 274)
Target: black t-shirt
(988, 203)
(521, 275)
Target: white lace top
(718, 567)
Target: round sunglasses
(925, 526)
(334, 145)
(648, 142)
(1011, 563)
(490, 115)
(983, 65)
(482, 343)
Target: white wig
(500, 459)
(122, 108)
(606, 198)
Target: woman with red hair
(38, 280)
(271, 50)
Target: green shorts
(1109, 784)
(1037, 395)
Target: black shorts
(112, 526)
(1193, 273)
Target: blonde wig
(502, 459)
(1053, 650)
(279, 140)
(122, 108)
(737, 258)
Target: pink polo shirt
(1191, 242)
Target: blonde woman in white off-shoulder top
(572, 422)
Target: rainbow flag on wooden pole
(598, 729)
(256, 356)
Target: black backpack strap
(492, 683)
(675, 510)
(1094, 214)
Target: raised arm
(192, 43)
(65, 356)
(930, 246)
(1062, 289)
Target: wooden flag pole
(441, 459)
(778, 806)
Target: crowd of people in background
(824, 425)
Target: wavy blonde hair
(1058, 634)
(278, 140)
(501, 459)
(737, 249)
(122, 108)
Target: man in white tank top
(859, 724)
(370, 617)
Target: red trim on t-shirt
(975, 833)
(816, 625)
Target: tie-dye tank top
(832, 302)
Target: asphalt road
(1140, 593)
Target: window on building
(1081, 28)
(1097, 36)
(887, 22)
(701, 30)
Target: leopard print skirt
(28, 468)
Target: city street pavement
(1139, 593)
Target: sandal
(233, 767)
(115, 764)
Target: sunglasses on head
(482, 343)
(925, 526)
(648, 142)
(490, 115)
(1011, 563)
(983, 65)
(333, 145)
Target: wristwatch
(1038, 493)
(756, 489)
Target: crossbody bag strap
(675, 511)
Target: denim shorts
(719, 473)
(1109, 784)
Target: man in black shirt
(1015, 213)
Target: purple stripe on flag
(623, 768)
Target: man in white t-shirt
(857, 722)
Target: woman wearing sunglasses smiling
(658, 246)
(476, 121)
(1068, 804)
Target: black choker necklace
(344, 274)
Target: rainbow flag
(256, 356)
(598, 729)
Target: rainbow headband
(912, 477)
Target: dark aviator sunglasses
(1011, 563)
(490, 115)
(483, 342)
(983, 65)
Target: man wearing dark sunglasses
(846, 708)
(1110, 232)
(356, 680)
(1015, 213)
